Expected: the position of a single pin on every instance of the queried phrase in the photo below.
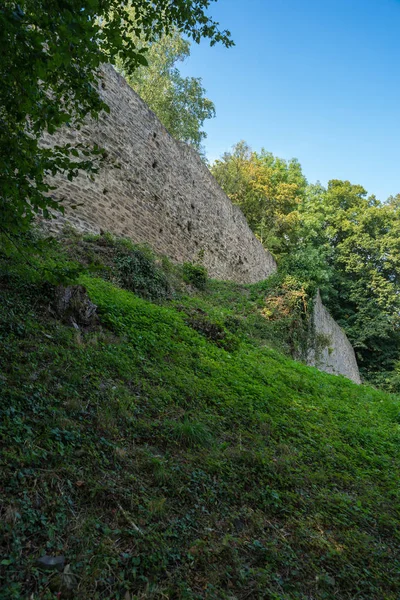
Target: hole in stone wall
(154, 165)
(189, 226)
(154, 135)
(160, 230)
(192, 205)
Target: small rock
(51, 563)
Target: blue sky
(318, 80)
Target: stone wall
(161, 194)
(329, 349)
(156, 190)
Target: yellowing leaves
(269, 191)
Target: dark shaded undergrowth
(169, 451)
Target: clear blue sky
(318, 80)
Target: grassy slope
(161, 463)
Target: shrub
(139, 273)
(288, 305)
(195, 274)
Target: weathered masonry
(161, 194)
(156, 190)
(329, 349)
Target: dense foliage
(335, 238)
(51, 51)
(269, 191)
(359, 238)
(168, 452)
(179, 102)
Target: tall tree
(336, 238)
(51, 52)
(179, 102)
(360, 239)
(269, 191)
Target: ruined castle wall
(161, 193)
(153, 189)
(329, 349)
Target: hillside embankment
(163, 445)
(155, 190)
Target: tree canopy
(336, 238)
(179, 102)
(51, 52)
(268, 189)
(359, 237)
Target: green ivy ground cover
(165, 459)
